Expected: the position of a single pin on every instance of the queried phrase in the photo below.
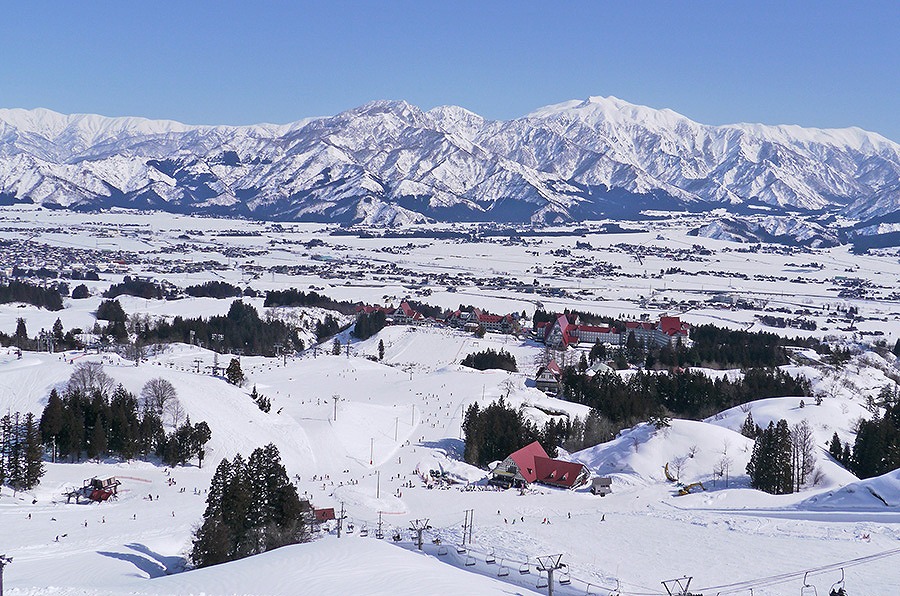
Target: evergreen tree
(381, 349)
(234, 374)
(836, 449)
(52, 421)
(21, 334)
(749, 428)
(251, 507)
(896, 349)
(33, 453)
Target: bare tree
(802, 445)
(89, 376)
(158, 395)
(678, 465)
(177, 413)
(723, 468)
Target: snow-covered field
(400, 418)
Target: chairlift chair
(460, 549)
(564, 578)
(542, 579)
(489, 558)
(524, 569)
(503, 570)
(442, 550)
(807, 589)
(470, 561)
(364, 531)
(837, 588)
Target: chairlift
(807, 589)
(364, 531)
(587, 591)
(349, 528)
(489, 558)
(837, 588)
(470, 561)
(503, 570)
(379, 534)
(442, 550)
(564, 578)
(524, 569)
(460, 549)
(542, 580)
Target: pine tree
(836, 448)
(381, 349)
(52, 421)
(234, 374)
(34, 453)
(749, 428)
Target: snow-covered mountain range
(389, 162)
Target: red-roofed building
(532, 464)
(407, 315)
(548, 377)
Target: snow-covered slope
(388, 162)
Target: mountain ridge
(389, 162)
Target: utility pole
(372, 451)
(468, 525)
(4, 561)
(340, 520)
(197, 362)
(550, 563)
(419, 526)
(378, 533)
(378, 484)
(396, 425)
(335, 397)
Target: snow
(399, 419)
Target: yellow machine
(687, 488)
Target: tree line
(685, 393)
(42, 297)
(498, 429)
(95, 418)
(876, 450)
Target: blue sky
(823, 63)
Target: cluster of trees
(261, 401)
(877, 447)
(214, 289)
(495, 431)
(294, 297)
(782, 457)
(242, 328)
(95, 418)
(252, 507)
(716, 347)
(140, 288)
(368, 325)
(21, 452)
(685, 393)
(491, 359)
(327, 327)
(20, 291)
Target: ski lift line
(786, 577)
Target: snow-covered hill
(388, 162)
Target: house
(532, 464)
(548, 377)
(601, 486)
(324, 515)
(407, 315)
(471, 320)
